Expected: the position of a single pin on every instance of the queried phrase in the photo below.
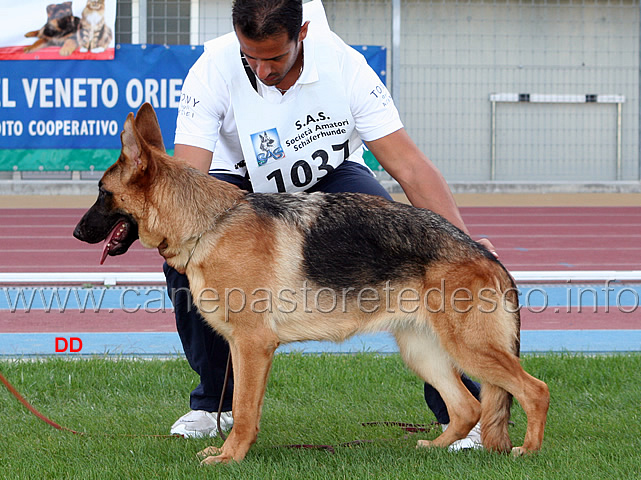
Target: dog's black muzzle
(118, 230)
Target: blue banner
(77, 104)
(80, 104)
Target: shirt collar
(310, 72)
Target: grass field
(594, 424)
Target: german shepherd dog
(60, 30)
(268, 269)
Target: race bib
(292, 145)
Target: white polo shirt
(206, 114)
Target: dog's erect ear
(131, 147)
(140, 136)
(148, 127)
(133, 154)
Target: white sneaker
(473, 439)
(199, 423)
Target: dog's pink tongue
(110, 240)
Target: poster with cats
(42, 30)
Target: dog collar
(193, 249)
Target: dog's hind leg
(252, 354)
(499, 372)
(423, 353)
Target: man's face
(271, 59)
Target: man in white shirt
(282, 104)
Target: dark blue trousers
(207, 352)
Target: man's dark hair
(260, 19)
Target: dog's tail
(495, 414)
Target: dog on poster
(60, 30)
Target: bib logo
(267, 146)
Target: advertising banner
(51, 104)
(62, 115)
(71, 30)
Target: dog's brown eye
(104, 192)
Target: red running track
(527, 238)
(163, 321)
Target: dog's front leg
(41, 42)
(68, 47)
(251, 359)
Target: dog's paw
(519, 451)
(424, 444)
(216, 459)
(208, 452)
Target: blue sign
(83, 104)
(76, 104)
